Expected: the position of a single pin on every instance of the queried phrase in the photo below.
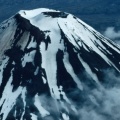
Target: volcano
(50, 61)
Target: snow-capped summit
(50, 60)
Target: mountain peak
(50, 59)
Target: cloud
(103, 103)
(107, 106)
(99, 103)
(111, 33)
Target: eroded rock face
(50, 64)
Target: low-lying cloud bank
(111, 33)
(100, 104)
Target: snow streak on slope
(50, 61)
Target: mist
(102, 103)
(111, 33)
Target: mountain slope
(50, 61)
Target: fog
(102, 103)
